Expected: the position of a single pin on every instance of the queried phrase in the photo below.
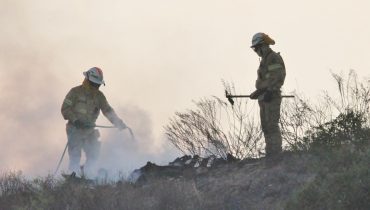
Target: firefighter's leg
(263, 116)
(92, 150)
(271, 127)
(264, 127)
(75, 141)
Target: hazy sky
(157, 56)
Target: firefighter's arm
(67, 107)
(110, 114)
(275, 76)
(261, 84)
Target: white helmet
(95, 75)
(261, 38)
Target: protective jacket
(271, 72)
(84, 103)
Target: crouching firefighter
(81, 107)
(270, 78)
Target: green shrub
(348, 128)
(343, 182)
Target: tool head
(231, 101)
(228, 96)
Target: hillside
(247, 184)
(335, 179)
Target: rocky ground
(236, 184)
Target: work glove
(121, 125)
(83, 125)
(267, 97)
(255, 94)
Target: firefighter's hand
(121, 125)
(267, 97)
(255, 94)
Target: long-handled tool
(230, 97)
(103, 126)
(96, 126)
(61, 159)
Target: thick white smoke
(43, 52)
(121, 152)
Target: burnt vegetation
(325, 164)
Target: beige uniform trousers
(86, 140)
(270, 115)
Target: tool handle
(248, 96)
(104, 126)
(129, 129)
(238, 96)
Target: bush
(333, 122)
(216, 128)
(14, 189)
(343, 182)
(347, 129)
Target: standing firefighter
(271, 76)
(81, 107)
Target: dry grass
(19, 193)
(338, 179)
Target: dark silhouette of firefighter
(270, 78)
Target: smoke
(33, 131)
(156, 56)
(30, 126)
(122, 153)
(45, 46)
(28, 120)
